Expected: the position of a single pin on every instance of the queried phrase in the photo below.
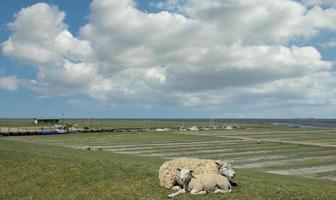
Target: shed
(46, 120)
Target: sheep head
(225, 169)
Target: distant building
(46, 120)
(163, 129)
(193, 128)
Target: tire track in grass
(318, 137)
(330, 175)
(291, 152)
(173, 156)
(245, 152)
(280, 158)
(304, 170)
(332, 178)
(181, 152)
(229, 151)
(280, 141)
(178, 143)
(205, 150)
(311, 142)
(256, 159)
(127, 144)
(184, 148)
(280, 162)
(276, 134)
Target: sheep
(202, 183)
(169, 176)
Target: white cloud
(196, 53)
(318, 88)
(329, 44)
(79, 103)
(171, 5)
(262, 21)
(41, 38)
(8, 83)
(319, 2)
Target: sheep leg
(193, 191)
(177, 188)
(222, 191)
(176, 193)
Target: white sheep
(202, 183)
(170, 177)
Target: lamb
(203, 183)
(170, 177)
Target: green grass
(16, 122)
(36, 171)
(33, 167)
(145, 145)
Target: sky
(168, 59)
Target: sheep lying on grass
(170, 177)
(203, 183)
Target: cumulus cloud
(8, 83)
(319, 2)
(329, 44)
(262, 21)
(41, 38)
(171, 5)
(191, 53)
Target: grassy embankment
(36, 171)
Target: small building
(49, 121)
(229, 127)
(193, 128)
(162, 129)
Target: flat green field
(271, 163)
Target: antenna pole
(63, 119)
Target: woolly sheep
(202, 183)
(170, 177)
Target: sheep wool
(169, 175)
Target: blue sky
(167, 59)
(25, 103)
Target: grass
(37, 167)
(145, 144)
(31, 171)
(36, 171)
(16, 122)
